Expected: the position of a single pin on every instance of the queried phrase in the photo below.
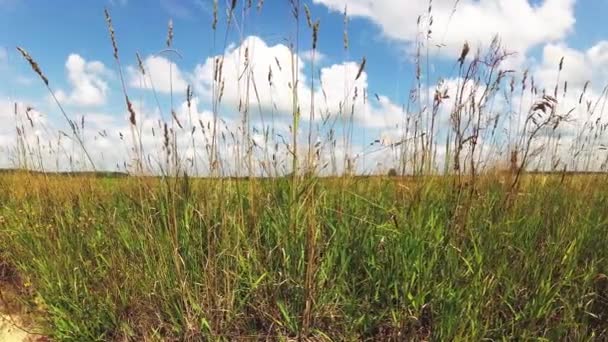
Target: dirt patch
(14, 325)
(9, 332)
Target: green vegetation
(388, 258)
(450, 245)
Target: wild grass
(107, 263)
(296, 245)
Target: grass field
(370, 258)
(486, 220)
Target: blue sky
(53, 31)
(69, 39)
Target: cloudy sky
(69, 40)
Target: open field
(372, 258)
(275, 188)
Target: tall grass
(466, 246)
(388, 260)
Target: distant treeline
(118, 174)
(98, 174)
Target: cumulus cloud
(576, 138)
(161, 73)
(578, 66)
(23, 122)
(343, 94)
(520, 24)
(581, 92)
(88, 81)
(254, 61)
(337, 91)
(261, 73)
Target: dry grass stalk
(140, 64)
(174, 115)
(112, 33)
(135, 134)
(131, 111)
(170, 34)
(36, 68)
(33, 64)
(345, 31)
(361, 68)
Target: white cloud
(334, 93)
(166, 76)
(578, 67)
(88, 81)
(28, 122)
(376, 116)
(337, 97)
(237, 75)
(338, 87)
(309, 56)
(6, 110)
(520, 24)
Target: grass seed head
(170, 33)
(315, 34)
(345, 33)
(131, 110)
(189, 95)
(464, 53)
(174, 115)
(308, 16)
(361, 68)
(112, 33)
(33, 64)
(214, 22)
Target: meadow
(470, 234)
(370, 258)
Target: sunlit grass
(453, 245)
(393, 259)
